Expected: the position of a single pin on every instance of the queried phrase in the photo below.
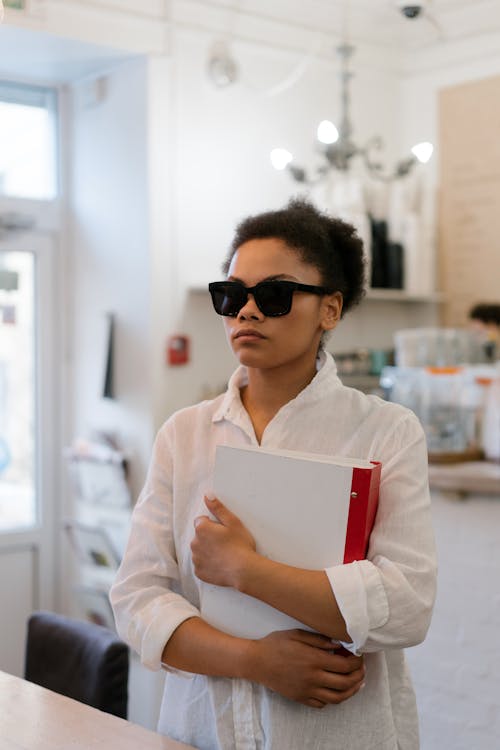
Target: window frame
(42, 96)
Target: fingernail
(362, 685)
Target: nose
(250, 311)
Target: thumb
(220, 511)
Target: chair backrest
(78, 659)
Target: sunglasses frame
(291, 286)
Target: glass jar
(441, 410)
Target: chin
(251, 356)
(250, 359)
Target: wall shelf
(399, 295)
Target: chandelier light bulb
(280, 158)
(327, 132)
(423, 151)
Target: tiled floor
(456, 671)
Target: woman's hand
(222, 548)
(301, 666)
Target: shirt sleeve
(147, 610)
(387, 599)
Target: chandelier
(338, 147)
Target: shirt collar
(326, 378)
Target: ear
(331, 305)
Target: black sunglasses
(273, 298)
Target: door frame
(44, 536)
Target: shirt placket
(238, 416)
(242, 698)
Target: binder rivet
(354, 494)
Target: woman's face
(293, 339)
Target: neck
(270, 389)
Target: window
(27, 141)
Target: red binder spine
(362, 510)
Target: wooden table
(33, 718)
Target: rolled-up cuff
(361, 598)
(163, 619)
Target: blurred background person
(485, 323)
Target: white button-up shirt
(386, 600)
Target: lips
(248, 333)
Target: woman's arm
(387, 600)
(299, 665)
(224, 554)
(165, 628)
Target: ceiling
(310, 25)
(379, 22)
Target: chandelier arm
(340, 153)
(403, 167)
(375, 168)
(301, 175)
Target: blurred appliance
(437, 347)
(454, 404)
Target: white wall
(109, 267)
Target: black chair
(78, 659)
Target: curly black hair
(327, 243)
(486, 312)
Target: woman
(292, 275)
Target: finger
(199, 521)
(346, 661)
(315, 703)
(312, 639)
(222, 514)
(340, 650)
(342, 682)
(342, 664)
(327, 696)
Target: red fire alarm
(178, 350)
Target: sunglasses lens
(273, 298)
(228, 299)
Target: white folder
(306, 510)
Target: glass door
(18, 496)
(29, 437)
